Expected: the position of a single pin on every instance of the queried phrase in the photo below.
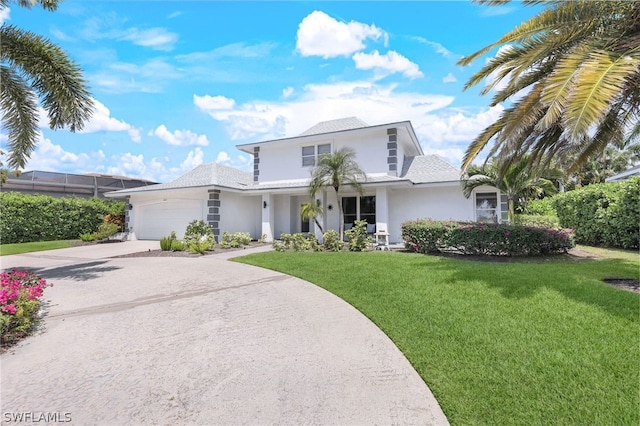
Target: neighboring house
(69, 185)
(633, 171)
(402, 184)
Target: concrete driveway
(201, 341)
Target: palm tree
(578, 63)
(516, 182)
(311, 210)
(31, 69)
(335, 171)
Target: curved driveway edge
(206, 341)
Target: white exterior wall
(240, 213)
(284, 162)
(283, 216)
(439, 203)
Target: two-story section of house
(402, 183)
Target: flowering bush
(20, 293)
(428, 236)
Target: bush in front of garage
(26, 217)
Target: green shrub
(105, 230)
(539, 221)
(200, 246)
(428, 236)
(541, 207)
(177, 245)
(296, 242)
(26, 217)
(263, 238)
(332, 241)
(603, 214)
(198, 231)
(165, 243)
(357, 236)
(235, 240)
(88, 237)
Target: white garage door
(155, 221)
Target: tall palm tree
(517, 182)
(335, 171)
(578, 63)
(33, 69)
(311, 210)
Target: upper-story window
(310, 154)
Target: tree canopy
(572, 74)
(36, 72)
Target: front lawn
(20, 248)
(531, 343)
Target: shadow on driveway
(76, 272)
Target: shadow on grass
(581, 281)
(76, 272)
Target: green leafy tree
(578, 63)
(337, 170)
(311, 210)
(517, 182)
(33, 70)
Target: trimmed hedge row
(602, 214)
(429, 236)
(25, 217)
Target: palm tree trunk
(341, 222)
(512, 211)
(315, 219)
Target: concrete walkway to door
(200, 341)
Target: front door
(305, 224)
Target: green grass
(506, 343)
(611, 253)
(20, 248)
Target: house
(402, 184)
(630, 172)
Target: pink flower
(9, 309)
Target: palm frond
(19, 116)
(53, 76)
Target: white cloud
(287, 91)
(240, 161)
(389, 63)
(449, 78)
(213, 102)
(193, 160)
(100, 121)
(4, 14)
(51, 157)
(439, 48)
(321, 35)
(374, 103)
(155, 38)
(180, 137)
(174, 14)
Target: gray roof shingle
(338, 125)
(210, 174)
(428, 169)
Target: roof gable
(338, 125)
(428, 169)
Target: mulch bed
(185, 253)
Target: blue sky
(181, 83)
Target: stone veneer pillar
(256, 163)
(213, 216)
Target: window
(305, 224)
(308, 156)
(486, 207)
(310, 153)
(359, 208)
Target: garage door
(155, 221)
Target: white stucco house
(402, 184)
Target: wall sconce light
(264, 204)
(330, 207)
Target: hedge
(26, 217)
(540, 221)
(603, 214)
(429, 236)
